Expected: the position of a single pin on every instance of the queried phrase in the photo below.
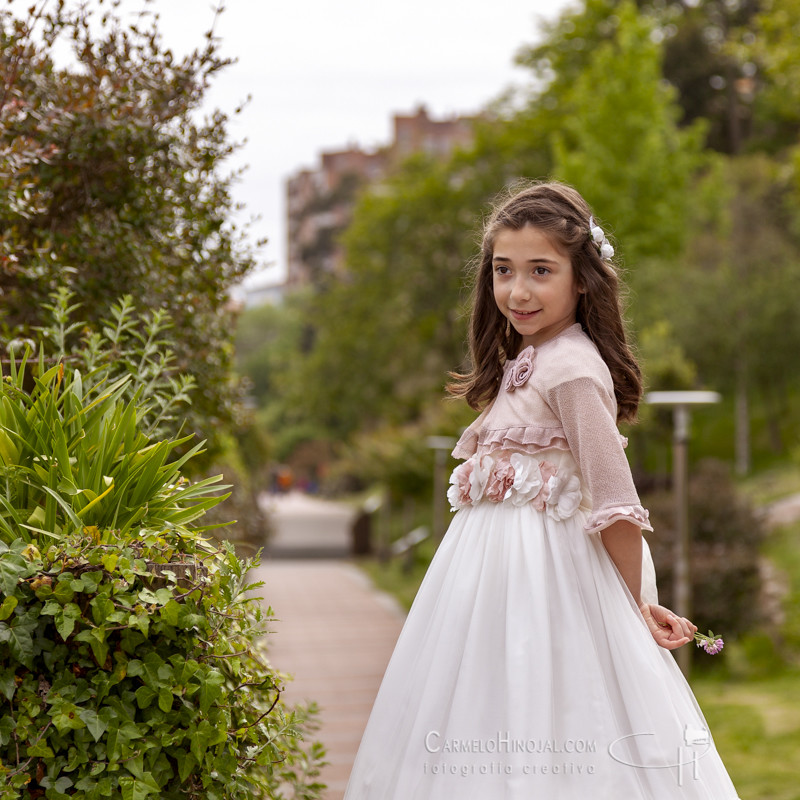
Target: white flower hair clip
(600, 241)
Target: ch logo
(688, 753)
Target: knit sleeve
(588, 415)
(467, 445)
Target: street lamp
(681, 403)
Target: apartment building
(320, 201)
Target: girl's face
(534, 285)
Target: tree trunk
(742, 419)
(777, 402)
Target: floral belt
(518, 479)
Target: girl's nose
(520, 291)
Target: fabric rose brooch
(520, 370)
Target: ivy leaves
(116, 685)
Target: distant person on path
(534, 661)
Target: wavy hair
(562, 214)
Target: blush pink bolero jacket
(560, 396)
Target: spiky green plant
(74, 457)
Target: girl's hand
(669, 630)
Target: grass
(772, 484)
(754, 716)
(756, 727)
(783, 549)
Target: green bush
(131, 659)
(138, 347)
(726, 537)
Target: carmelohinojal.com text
(503, 744)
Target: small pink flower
(712, 643)
(500, 481)
(520, 370)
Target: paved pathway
(307, 527)
(334, 631)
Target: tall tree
(772, 44)
(734, 297)
(620, 142)
(113, 185)
(716, 80)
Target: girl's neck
(531, 341)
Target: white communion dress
(525, 669)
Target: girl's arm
(623, 541)
(587, 412)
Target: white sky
(327, 73)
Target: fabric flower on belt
(565, 496)
(458, 493)
(500, 481)
(520, 370)
(527, 479)
(468, 481)
(479, 477)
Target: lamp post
(441, 446)
(681, 403)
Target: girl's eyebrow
(537, 260)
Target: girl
(534, 661)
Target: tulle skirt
(525, 670)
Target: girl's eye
(541, 271)
(501, 269)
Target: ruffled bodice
(555, 413)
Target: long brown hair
(560, 212)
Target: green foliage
(112, 184)
(756, 730)
(118, 683)
(131, 345)
(245, 464)
(621, 145)
(397, 323)
(131, 648)
(269, 339)
(732, 297)
(716, 78)
(566, 45)
(398, 458)
(137, 350)
(726, 539)
(73, 456)
(663, 359)
(783, 548)
(767, 48)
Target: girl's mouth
(524, 314)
